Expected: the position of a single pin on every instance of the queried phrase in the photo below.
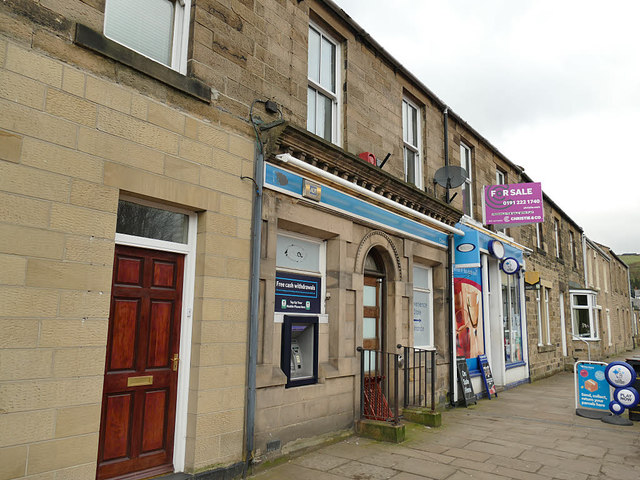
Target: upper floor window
(572, 241)
(323, 87)
(539, 239)
(162, 36)
(412, 143)
(467, 186)
(556, 233)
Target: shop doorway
(372, 302)
(377, 378)
(141, 371)
(496, 315)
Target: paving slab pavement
(530, 432)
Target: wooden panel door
(140, 382)
(371, 314)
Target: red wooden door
(140, 382)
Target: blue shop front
(489, 305)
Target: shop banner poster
(467, 286)
(594, 391)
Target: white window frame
(591, 307)
(539, 235)
(336, 97)
(544, 329)
(415, 147)
(429, 292)
(323, 317)
(572, 247)
(186, 324)
(511, 281)
(547, 294)
(556, 232)
(180, 40)
(467, 186)
(501, 179)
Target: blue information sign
(594, 391)
(297, 293)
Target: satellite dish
(450, 176)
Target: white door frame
(186, 321)
(493, 321)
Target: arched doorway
(373, 324)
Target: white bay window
(584, 321)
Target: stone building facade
(90, 129)
(607, 277)
(554, 269)
(130, 179)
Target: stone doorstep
(223, 473)
(174, 476)
(382, 431)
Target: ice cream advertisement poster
(468, 308)
(593, 390)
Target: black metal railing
(379, 385)
(419, 377)
(381, 392)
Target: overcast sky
(553, 84)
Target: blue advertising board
(592, 389)
(297, 293)
(467, 247)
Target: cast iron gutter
(254, 294)
(451, 243)
(254, 285)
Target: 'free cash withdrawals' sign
(516, 203)
(297, 293)
(593, 389)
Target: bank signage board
(297, 293)
(513, 204)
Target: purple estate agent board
(516, 203)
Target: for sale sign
(513, 204)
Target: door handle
(174, 362)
